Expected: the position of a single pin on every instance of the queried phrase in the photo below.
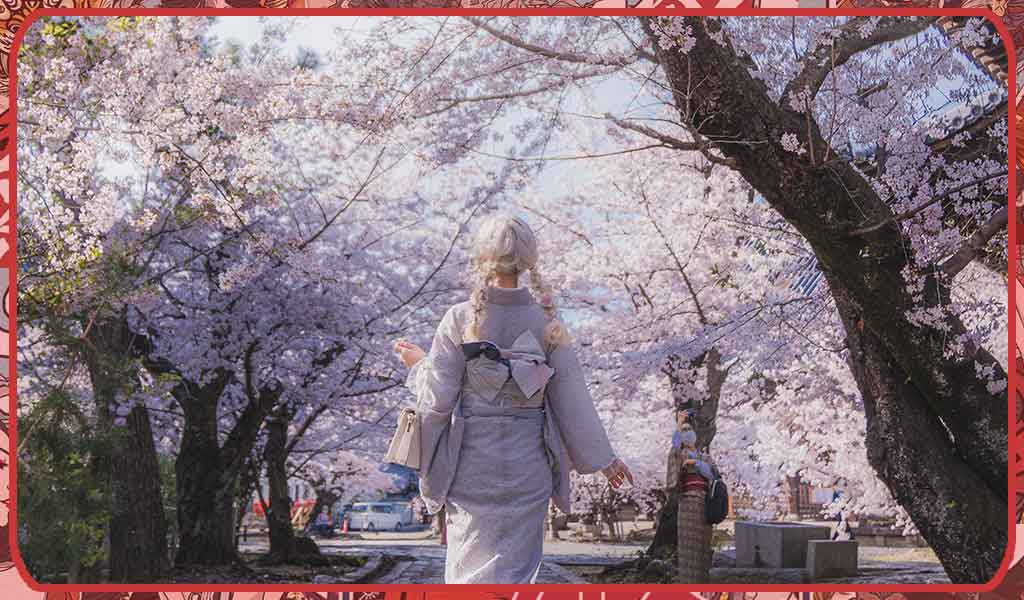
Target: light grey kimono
(494, 447)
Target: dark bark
(285, 546)
(205, 487)
(911, 390)
(138, 530)
(208, 473)
(911, 452)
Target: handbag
(405, 445)
(716, 500)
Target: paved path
(421, 559)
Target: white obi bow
(442, 428)
(526, 365)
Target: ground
(255, 572)
(417, 557)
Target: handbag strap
(457, 409)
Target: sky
(312, 33)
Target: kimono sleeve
(704, 469)
(572, 407)
(437, 378)
(705, 466)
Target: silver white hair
(505, 245)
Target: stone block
(827, 559)
(775, 544)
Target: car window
(382, 509)
(358, 509)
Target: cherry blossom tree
(239, 288)
(775, 221)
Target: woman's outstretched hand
(409, 353)
(617, 472)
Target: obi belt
(523, 363)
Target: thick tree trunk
(909, 448)
(937, 436)
(205, 489)
(208, 472)
(285, 546)
(138, 530)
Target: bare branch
(671, 141)
(975, 245)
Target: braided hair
(505, 245)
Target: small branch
(572, 57)
(671, 141)
(903, 216)
(975, 245)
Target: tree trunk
(285, 546)
(138, 530)
(208, 472)
(205, 489)
(936, 436)
(705, 425)
(909, 447)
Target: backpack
(716, 501)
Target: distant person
(843, 531)
(322, 525)
(526, 416)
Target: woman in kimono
(505, 414)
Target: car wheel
(371, 527)
(398, 526)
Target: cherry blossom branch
(669, 141)
(589, 59)
(974, 246)
(849, 42)
(920, 207)
(454, 102)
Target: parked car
(380, 516)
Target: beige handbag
(405, 446)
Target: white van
(380, 516)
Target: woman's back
(502, 427)
(509, 312)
